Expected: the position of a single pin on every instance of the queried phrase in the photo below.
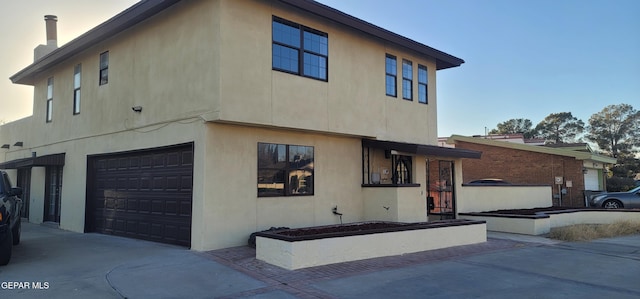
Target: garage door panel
(145, 195)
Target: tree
(515, 126)
(560, 127)
(616, 129)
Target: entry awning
(48, 160)
(422, 149)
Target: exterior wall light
(137, 109)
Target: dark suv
(10, 206)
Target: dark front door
(53, 186)
(24, 182)
(441, 198)
(144, 194)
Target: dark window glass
(391, 69)
(285, 170)
(76, 88)
(299, 50)
(286, 34)
(401, 169)
(104, 68)
(315, 66)
(407, 80)
(316, 43)
(422, 84)
(49, 111)
(285, 58)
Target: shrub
(588, 232)
(619, 184)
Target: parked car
(488, 182)
(617, 200)
(10, 207)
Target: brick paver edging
(297, 282)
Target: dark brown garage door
(143, 194)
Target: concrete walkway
(71, 265)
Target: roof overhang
(48, 160)
(146, 9)
(422, 149)
(578, 155)
(443, 60)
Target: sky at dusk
(523, 59)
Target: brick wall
(525, 167)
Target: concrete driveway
(57, 264)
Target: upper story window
(77, 70)
(391, 70)
(422, 84)
(49, 112)
(299, 50)
(104, 68)
(407, 80)
(285, 170)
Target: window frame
(425, 84)
(49, 105)
(302, 50)
(103, 76)
(402, 169)
(407, 80)
(77, 82)
(287, 169)
(388, 75)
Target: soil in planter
(340, 228)
(534, 210)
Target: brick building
(570, 170)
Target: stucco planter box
(541, 223)
(282, 249)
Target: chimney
(52, 33)
(52, 38)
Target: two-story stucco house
(199, 122)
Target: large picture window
(284, 170)
(299, 50)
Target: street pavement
(52, 263)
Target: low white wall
(526, 226)
(303, 254)
(540, 226)
(491, 198)
(592, 217)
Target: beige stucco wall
(73, 192)
(167, 65)
(232, 207)
(489, 198)
(353, 101)
(205, 61)
(402, 204)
